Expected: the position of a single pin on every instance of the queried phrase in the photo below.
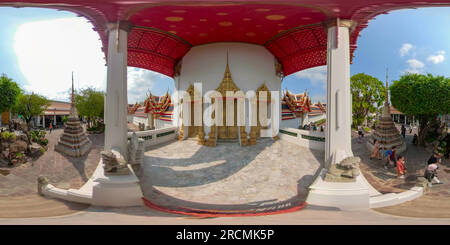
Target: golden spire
(227, 83)
(386, 100)
(73, 109)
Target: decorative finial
(73, 109)
(387, 88)
(72, 96)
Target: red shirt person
(401, 169)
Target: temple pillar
(350, 195)
(116, 88)
(43, 120)
(116, 190)
(339, 98)
(38, 121)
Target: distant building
(53, 114)
(401, 118)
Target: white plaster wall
(162, 124)
(250, 65)
(137, 120)
(293, 123)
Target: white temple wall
(292, 123)
(250, 65)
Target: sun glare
(48, 51)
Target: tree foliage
(30, 105)
(423, 96)
(90, 104)
(9, 90)
(368, 94)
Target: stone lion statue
(114, 163)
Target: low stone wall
(156, 136)
(310, 139)
(398, 151)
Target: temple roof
(164, 31)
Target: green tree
(423, 96)
(30, 105)
(9, 90)
(90, 104)
(368, 94)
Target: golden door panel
(228, 132)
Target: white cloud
(140, 81)
(414, 66)
(404, 50)
(439, 57)
(315, 75)
(48, 51)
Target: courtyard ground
(435, 203)
(240, 176)
(270, 175)
(18, 189)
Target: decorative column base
(345, 196)
(253, 135)
(211, 141)
(201, 136)
(116, 191)
(244, 137)
(181, 133)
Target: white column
(339, 99)
(43, 121)
(116, 88)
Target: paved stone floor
(20, 186)
(270, 174)
(145, 216)
(435, 203)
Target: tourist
(314, 128)
(430, 174)
(321, 128)
(401, 169)
(50, 127)
(360, 133)
(376, 150)
(403, 130)
(435, 158)
(391, 161)
(415, 140)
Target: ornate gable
(227, 83)
(263, 87)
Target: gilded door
(228, 132)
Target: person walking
(360, 133)
(375, 150)
(50, 127)
(415, 140)
(403, 130)
(432, 167)
(431, 174)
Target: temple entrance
(227, 85)
(228, 132)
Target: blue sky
(404, 41)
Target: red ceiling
(165, 30)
